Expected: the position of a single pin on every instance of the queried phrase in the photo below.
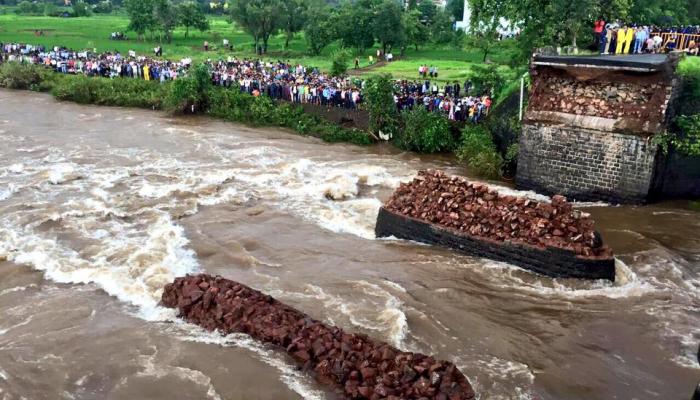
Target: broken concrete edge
(548, 261)
(356, 366)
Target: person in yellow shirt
(146, 74)
(621, 35)
(629, 39)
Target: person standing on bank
(629, 39)
(621, 35)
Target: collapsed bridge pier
(588, 129)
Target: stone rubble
(598, 99)
(355, 365)
(479, 211)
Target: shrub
(103, 7)
(379, 101)
(486, 79)
(22, 76)
(121, 92)
(340, 58)
(424, 132)
(688, 142)
(231, 105)
(340, 134)
(29, 8)
(191, 94)
(81, 9)
(479, 152)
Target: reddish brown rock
(355, 365)
(473, 208)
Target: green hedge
(178, 96)
(424, 131)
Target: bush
(379, 101)
(424, 132)
(191, 94)
(29, 8)
(689, 141)
(340, 58)
(340, 134)
(121, 92)
(479, 152)
(23, 76)
(486, 79)
(81, 9)
(103, 7)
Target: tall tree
(260, 18)
(428, 10)
(355, 20)
(320, 29)
(141, 16)
(388, 25)
(191, 16)
(455, 8)
(294, 14)
(166, 17)
(416, 31)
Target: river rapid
(101, 207)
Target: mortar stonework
(587, 132)
(585, 164)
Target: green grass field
(93, 33)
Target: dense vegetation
(178, 97)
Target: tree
(356, 20)
(379, 100)
(191, 93)
(190, 15)
(141, 16)
(166, 17)
(412, 4)
(294, 14)
(320, 29)
(428, 10)
(260, 18)
(81, 9)
(388, 25)
(455, 8)
(442, 27)
(416, 32)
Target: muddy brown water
(100, 207)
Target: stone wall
(586, 164)
(599, 99)
(588, 128)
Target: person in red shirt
(598, 31)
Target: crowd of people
(449, 100)
(278, 80)
(91, 63)
(620, 38)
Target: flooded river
(100, 207)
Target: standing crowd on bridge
(278, 80)
(620, 38)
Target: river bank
(133, 198)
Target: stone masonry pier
(588, 127)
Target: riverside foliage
(178, 97)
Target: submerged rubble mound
(355, 365)
(476, 210)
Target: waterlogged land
(101, 207)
